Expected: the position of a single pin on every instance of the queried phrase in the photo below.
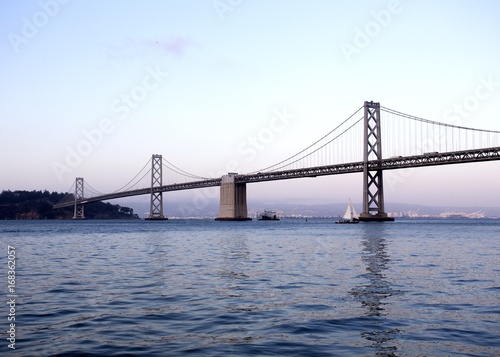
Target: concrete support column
(233, 200)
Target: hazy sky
(116, 81)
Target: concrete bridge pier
(233, 200)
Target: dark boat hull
(267, 218)
(345, 221)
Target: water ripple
(210, 288)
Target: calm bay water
(288, 288)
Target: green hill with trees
(21, 205)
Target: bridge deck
(144, 191)
(429, 159)
(400, 162)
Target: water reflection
(235, 258)
(233, 271)
(158, 263)
(372, 294)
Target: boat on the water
(350, 215)
(267, 216)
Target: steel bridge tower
(156, 207)
(373, 182)
(79, 208)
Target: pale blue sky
(212, 74)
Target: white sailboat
(350, 215)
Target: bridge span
(233, 202)
(431, 159)
(393, 163)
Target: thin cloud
(134, 48)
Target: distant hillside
(22, 205)
(210, 208)
(337, 209)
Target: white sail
(350, 212)
(347, 214)
(354, 214)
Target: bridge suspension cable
(92, 190)
(417, 136)
(412, 117)
(179, 171)
(318, 153)
(70, 194)
(129, 184)
(71, 189)
(318, 148)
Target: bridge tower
(373, 183)
(79, 209)
(156, 206)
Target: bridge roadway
(399, 162)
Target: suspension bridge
(354, 146)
